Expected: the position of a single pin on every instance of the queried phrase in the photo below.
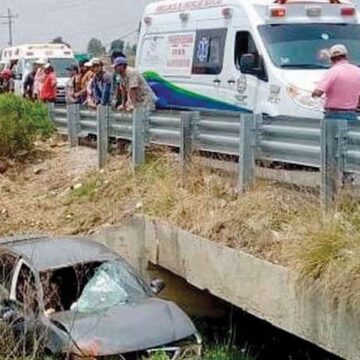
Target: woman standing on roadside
(48, 89)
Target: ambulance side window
(209, 51)
(244, 44)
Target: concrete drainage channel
(264, 290)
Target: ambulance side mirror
(248, 64)
(253, 64)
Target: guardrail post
(140, 120)
(73, 121)
(51, 111)
(333, 147)
(102, 117)
(246, 151)
(188, 120)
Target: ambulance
(255, 56)
(21, 60)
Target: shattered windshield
(112, 284)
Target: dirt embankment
(63, 193)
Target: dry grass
(326, 252)
(280, 223)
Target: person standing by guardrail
(101, 83)
(138, 90)
(85, 77)
(341, 86)
(29, 83)
(8, 81)
(73, 84)
(48, 89)
(39, 78)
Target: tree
(59, 40)
(117, 45)
(95, 48)
(130, 50)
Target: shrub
(222, 352)
(21, 123)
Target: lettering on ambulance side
(179, 6)
(241, 87)
(274, 94)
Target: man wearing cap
(138, 90)
(85, 76)
(100, 84)
(341, 86)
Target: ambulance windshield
(306, 46)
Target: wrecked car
(84, 300)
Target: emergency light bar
(313, 8)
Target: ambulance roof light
(227, 13)
(277, 12)
(348, 11)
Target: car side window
(244, 44)
(7, 265)
(209, 51)
(26, 293)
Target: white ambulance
(21, 60)
(259, 56)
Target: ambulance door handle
(231, 82)
(217, 81)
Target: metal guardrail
(288, 140)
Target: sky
(75, 20)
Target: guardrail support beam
(102, 134)
(51, 111)
(73, 115)
(140, 120)
(188, 122)
(333, 147)
(247, 151)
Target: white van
(22, 57)
(243, 55)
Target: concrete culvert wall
(265, 290)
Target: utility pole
(9, 22)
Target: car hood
(126, 328)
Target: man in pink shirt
(341, 86)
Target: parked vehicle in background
(20, 59)
(84, 300)
(261, 56)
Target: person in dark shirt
(101, 84)
(29, 83)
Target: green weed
(21, 123)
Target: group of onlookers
(123, 88)
(89, 84)
(40, 83)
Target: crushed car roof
(45, 253)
